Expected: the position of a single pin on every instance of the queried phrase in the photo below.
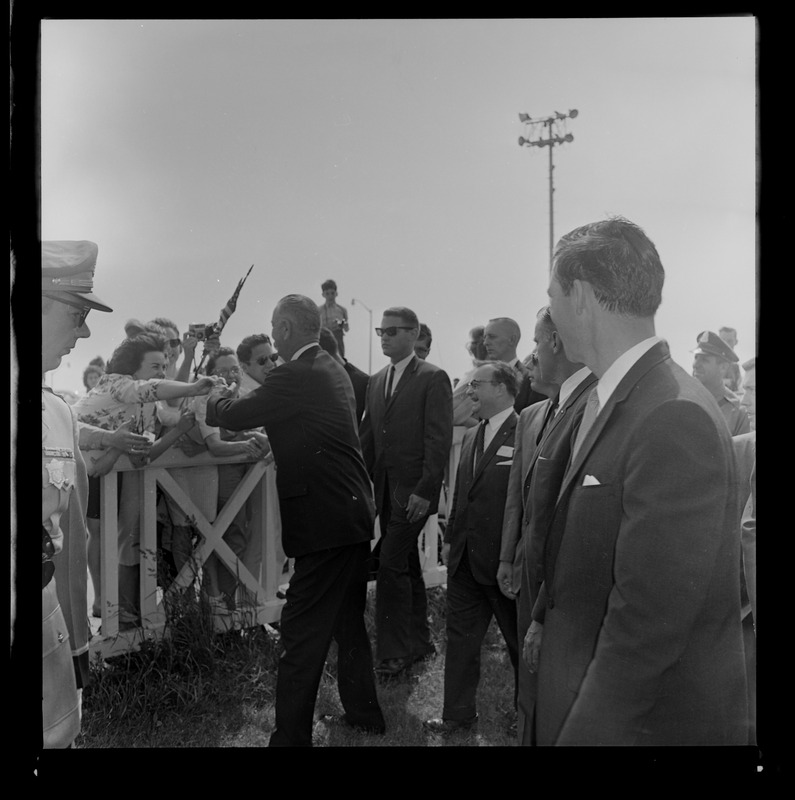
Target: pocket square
(504, 463)
(506, 451)
(590, 481)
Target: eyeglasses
(174, 342)
(393, 330)
(227, 371)
(80, 318)
(263, 360)
(475, 384)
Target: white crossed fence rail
(258, 489)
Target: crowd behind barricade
(602, 508)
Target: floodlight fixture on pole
(370, 312)
(552, 131)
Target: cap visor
(84, 299)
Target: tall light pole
(552, 131)
(370, 312)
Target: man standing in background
(332, 315)
(406, 435)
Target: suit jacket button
(550, 603)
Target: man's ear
(582, 293)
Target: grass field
(197, 689)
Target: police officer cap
(711, 344)
(67, 273)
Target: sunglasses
(174, 342)
(263, 360)
(393, 330)
(47, 552)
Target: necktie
(389, 382)
(588, 417)
(551, 411)
(480, 438)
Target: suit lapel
(506, 429)
(658, 353)
(405, 379)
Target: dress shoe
(448, 726)
(392, 667)
(340, 721)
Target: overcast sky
(384, 154)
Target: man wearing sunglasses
(66, 299)
(257, 358)
(406, 435)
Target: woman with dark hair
(126, 395)
(91, 375)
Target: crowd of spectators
(519, 421)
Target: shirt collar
(570, 384)
(620, 367)
(495, 422)
(303, 349)
(402, 364)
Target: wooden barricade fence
(258, 487)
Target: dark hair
(164, 322)
(98, 361)
(302, 312)
(504, 374)
(92, 369)
(619, 261)
(425, 333)
(329, 284)
(544, 316)
(245, 348)
(405, 314)
(222, 351)
(127, 357)
(328, 341)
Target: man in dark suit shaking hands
(406, 434)
(639, 613)
(308, 409)
(472, 545)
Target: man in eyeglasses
(406, 435)
(543, 447)
(472, 546)
(255, 354)
(66, 298)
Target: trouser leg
(468, 617)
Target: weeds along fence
(260, 589)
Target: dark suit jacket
(544, 470)
(527, 429)
(307, 407)
(359, 380)
(526, 396)
(407, 440)
(475, 520)
(642, 642)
